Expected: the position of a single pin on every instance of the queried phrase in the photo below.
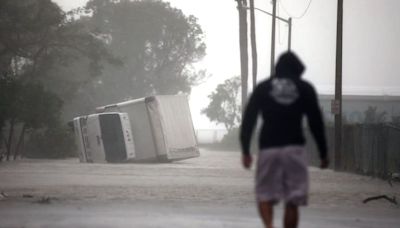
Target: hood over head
(289, 65)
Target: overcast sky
(371, 35)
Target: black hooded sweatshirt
(283, 100)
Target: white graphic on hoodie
(284, 91)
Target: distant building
(354, 106)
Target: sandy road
(209, 191)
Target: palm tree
(253, 43)
(244, 68)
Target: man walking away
(282, 173)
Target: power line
(297, 17)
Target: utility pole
(337, 103)
(273, 37)
(289, 34)
(288, 21)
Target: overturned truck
(162, 127)
(104, 137)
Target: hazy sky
(371, 36)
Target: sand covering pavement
(215, 179)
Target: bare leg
(266, 211)
(291, 216)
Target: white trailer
(161, 126)
(104, 137)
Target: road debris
(390, 199)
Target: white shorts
(282, 174)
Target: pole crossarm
(270, 14)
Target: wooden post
(338, 86)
